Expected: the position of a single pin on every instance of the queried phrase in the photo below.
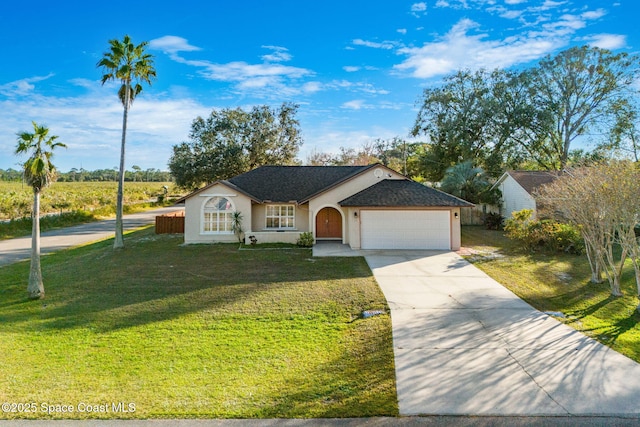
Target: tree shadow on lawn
(610, 332)
(584, 301)
(157, 279)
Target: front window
(218, 212)
(280, 216)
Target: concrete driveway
(465, 345)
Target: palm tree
(39, 173)
(131, 65)
(467, 182)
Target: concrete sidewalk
(13, 250)
(465, 345)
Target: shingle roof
(292, 183)
(533, 180)
(402, 192)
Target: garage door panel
(388, 229)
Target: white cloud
(241, 71)
(172, 45)
(376, 45)
(91, 126)
(265, 79)
(594, 14)
(323, 140)
(312, 87)
(455, 4)
(457, 49)
(360, 87)
(402, 30)
(607, 41)
(356, 104)
(22, 87)
(511, 14)
(544, 27)
(351, 68)
(279, 54)
(568, 24)
(550, 4)
(84, 83)
(418, 9)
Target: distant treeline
(82, 175)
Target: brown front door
(328, 224)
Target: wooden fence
(170, 224)
(475, 215)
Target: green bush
(545, 234)
(305, 240)
(566, 238)
(518, 228)
(493, 221)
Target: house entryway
(326, 248)
(329, 224)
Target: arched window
(217, 215)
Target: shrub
(236, 225)
(493, 221)
(518, 227)
(566, 238)
(545, 234)
(305, 240)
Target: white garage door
(405, 229)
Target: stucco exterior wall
(344, 190)
(193, 232)
(273, 237)
(353, 227)
(515, 198)
(456, 239)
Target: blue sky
(356, 68)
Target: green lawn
(195, 331)
(561, 283)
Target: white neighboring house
(519, 188)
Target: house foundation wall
(272, 236)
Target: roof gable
(403, 192)
(286, 184)
(533, 180)
(227, 184)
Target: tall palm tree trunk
(35, 287)
(119, 238)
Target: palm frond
(38, 170)
(128, 63)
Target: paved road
(432, 421)
(465, 345)
(13, 250)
